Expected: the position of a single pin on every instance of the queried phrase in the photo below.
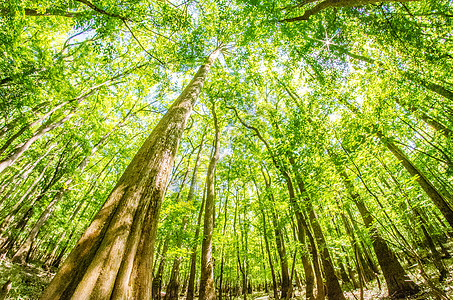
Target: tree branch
(335, 3)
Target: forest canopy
(241, 149)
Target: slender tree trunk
(286, 285)
(207, 284)
(18, 151)
(27, 126)
(172, 291)
(333, 286)
(17, 206)
(438, 199)
(24, 249)
(266, 242)
(113, 258)
(193, 257)
(448, 133)
(398, 282)
(14, 122)
(438, 89)
(225, 210)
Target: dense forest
(228, 149)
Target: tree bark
(113, 258)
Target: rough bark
(113, 258)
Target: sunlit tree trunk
(279, 241)
(438, 199)
(266, 242)
(113, 258)
(19, 150)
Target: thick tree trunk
(114, 256)
(207, 284)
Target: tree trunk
(398, 282)
(285, 284)
(27, 126)
(266, 242)
(19, 150)
(193, 257)
(207, 284)
(22, 252)
(113, 258)
(172, 291)
(333, 286)
(438, 89)
(439, 200)
(157, 280)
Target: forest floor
(28, 282)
